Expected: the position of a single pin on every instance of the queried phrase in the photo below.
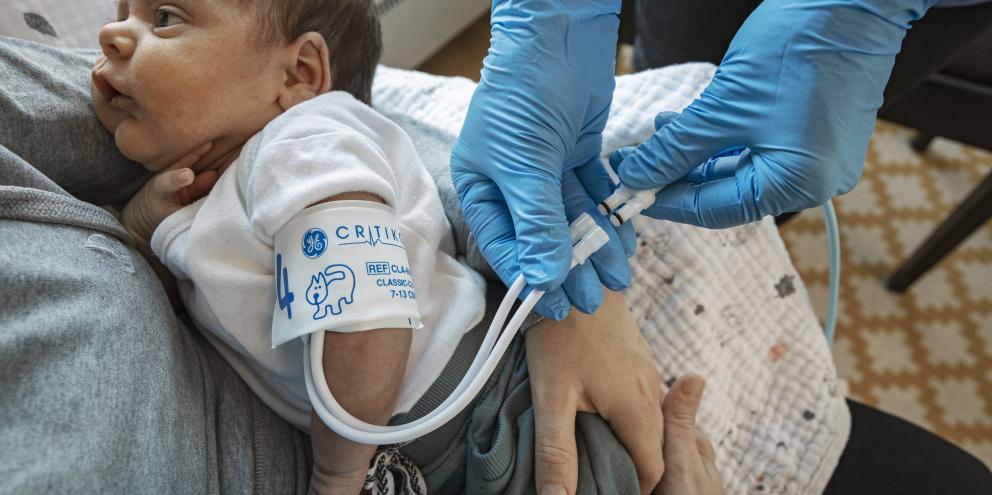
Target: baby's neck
(218, 157)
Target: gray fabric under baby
(103, 389)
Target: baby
(263, 104)
(249, 112)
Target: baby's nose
(116, 41)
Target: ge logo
(314, 243)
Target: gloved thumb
(679, 144)
(621, 154)
(679, 409)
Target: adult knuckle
(652, 473)
(648, 390)
(681, 416)
(550, 394)
(552, 454)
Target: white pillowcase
(63, 23)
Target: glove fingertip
(628, 238)
(547, 272)
(554, 305)
(591, 302)
(663, 118)
(631, 174)
(619, 155)
(620, 281)
(616, 158)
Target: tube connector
(619, 197)
(581, 226)
(590, 243)
(640, 200)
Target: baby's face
(175, 75)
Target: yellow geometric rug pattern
(925, 355)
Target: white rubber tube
(496, 342)
(490, 353)
(346, 425)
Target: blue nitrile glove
(799, 88)
(582, 189)
(539, 111)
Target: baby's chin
(139, 148)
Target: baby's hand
(167, 191)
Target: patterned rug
(925, 355)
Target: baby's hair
(350, 27)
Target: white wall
(413, 30)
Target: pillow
(56, 22)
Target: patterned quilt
(724, 303)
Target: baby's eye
(164, 18)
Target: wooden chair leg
(966, 218)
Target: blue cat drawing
(330, 290)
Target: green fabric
(489, 447)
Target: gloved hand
(539, 111)
(798, 88)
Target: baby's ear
(308, 71)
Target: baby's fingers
(171, 182)
(201, 185)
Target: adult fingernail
(693, 387)
(553, 490)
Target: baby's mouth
(108, 91)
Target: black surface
(886, 455)
(949, 107)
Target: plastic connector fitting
(590, 243)
(640, 200)
(582, 225)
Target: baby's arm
(364, 371)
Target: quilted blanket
(727, 304)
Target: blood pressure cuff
(342, 266)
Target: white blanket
(727, 304)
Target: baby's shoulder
(335, 112)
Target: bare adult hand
(595, 363)
(690, 462)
